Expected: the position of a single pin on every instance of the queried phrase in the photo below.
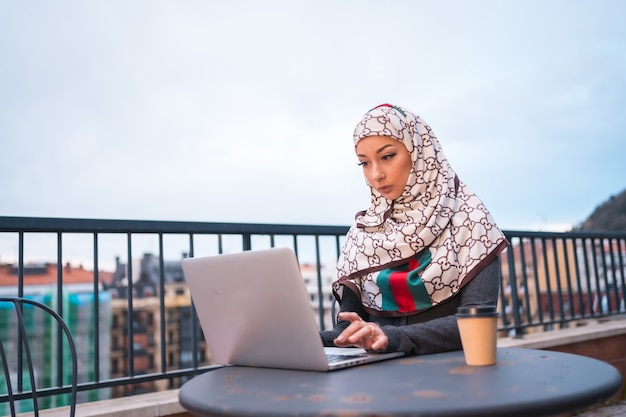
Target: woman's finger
(350, 316)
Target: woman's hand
(360, 333)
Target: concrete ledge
(156, 404)
(549, 339)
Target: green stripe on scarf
(414, 285)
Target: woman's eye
(388, 156)
(362, 164)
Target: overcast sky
(243, 111)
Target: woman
(425, 246)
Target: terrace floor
(610, 410)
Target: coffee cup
(478, 329)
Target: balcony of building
(119, 286)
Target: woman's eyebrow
(382, 148)
(379, 150)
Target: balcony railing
(140, 329)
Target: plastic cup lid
(477, 310)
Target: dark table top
(524, 382)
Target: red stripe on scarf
(400, 288)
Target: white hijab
(406, 255)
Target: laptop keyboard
(334, 358)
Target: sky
(243, 111)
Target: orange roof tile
(46, 274)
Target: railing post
(247, 241)
(515, 307)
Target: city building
(78, 313)
(119, 355)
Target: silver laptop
(254, 310)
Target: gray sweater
(433, 330)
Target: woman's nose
(378, 173)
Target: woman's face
(386, 164)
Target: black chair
(22, 347)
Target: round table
(523, 382)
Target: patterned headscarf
(406, 255)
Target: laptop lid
(254, 310)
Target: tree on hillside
(609, 216)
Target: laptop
(254, 310)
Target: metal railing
(553, 279)
(548, 279)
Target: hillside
(609, 216)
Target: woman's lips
(385, 189)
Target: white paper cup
(478, 329)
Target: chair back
(16, 343)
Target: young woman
(425, 246)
